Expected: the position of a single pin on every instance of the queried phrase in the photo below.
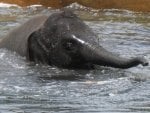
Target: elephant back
(17, 39)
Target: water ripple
(28, 88)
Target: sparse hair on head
(69, 13)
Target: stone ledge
(134, 5)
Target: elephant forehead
(72, 25)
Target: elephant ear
(30, 44)
(35, 51)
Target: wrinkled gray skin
(63, 40)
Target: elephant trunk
(100, 56)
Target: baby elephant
(63, 40)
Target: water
(28, 88)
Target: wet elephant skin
(63, 40)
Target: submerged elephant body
(62, 40)
(17, 39)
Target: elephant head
(66, 41)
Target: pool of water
(28, 88)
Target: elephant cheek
(60, 60)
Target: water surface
(28, 88)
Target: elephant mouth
(85, 66)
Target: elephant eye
(69, 45)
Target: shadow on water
(28, 88)
(46, 72)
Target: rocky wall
(134, 5)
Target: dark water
(26, 88)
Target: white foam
(103, 82)
(7, 5)
(2, 55)
(34, 6)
